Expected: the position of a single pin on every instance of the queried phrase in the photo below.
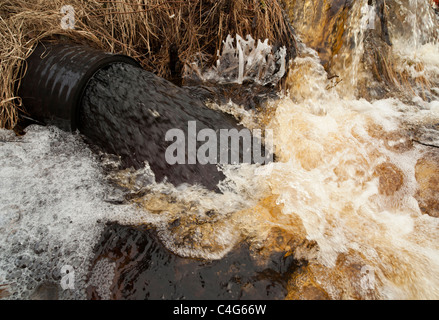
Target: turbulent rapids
(349, 209)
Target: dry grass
(147, 30)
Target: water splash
(349, 194)
(244, 60)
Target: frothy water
(334, 178)
(56, 200)
(347, 189)
(242, 60)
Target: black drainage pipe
(119, 107)
(56, 78)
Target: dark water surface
(145, 269)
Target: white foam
(52, 199)
(53, 192)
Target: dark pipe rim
(83, 83)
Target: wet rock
(4, 293)
(397, 141)
(321, 25)
(352, 278)
(427, 176)
(249, 95)
(351, 35)
(303, 287)
(391, 178)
